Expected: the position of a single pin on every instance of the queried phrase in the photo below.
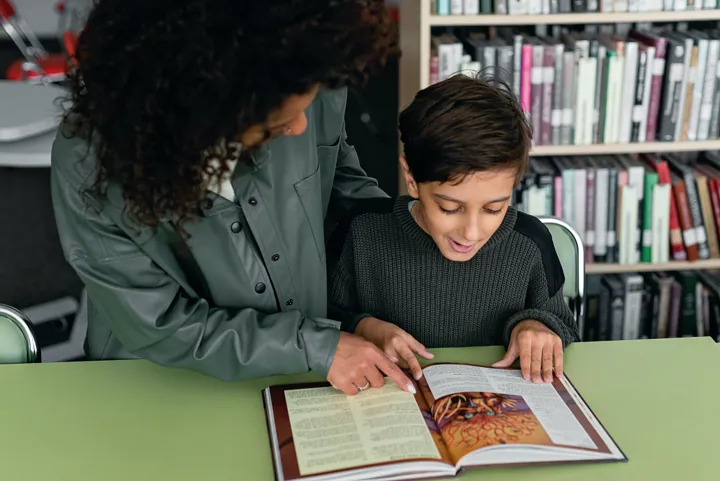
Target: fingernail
(418, 376)
(411, 388)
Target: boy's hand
(397, 344)
(538, 347)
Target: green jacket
(246, 295)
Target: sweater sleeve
(343, 305)
(545, 303)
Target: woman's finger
(525, 347)
(419, 348)
(558, 354)
(407, 355)
(536, 361)
(547, 362)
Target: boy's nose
(472, 232)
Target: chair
(570, 251)
(17, 339)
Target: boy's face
(462, 217)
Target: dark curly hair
(161, 86)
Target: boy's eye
(493, 212)
(446, 211)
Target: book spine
(658, 71)
(642, 136)
(590, 214)
(660, 224)
(629, 82)
(565, 6)
(637, 112)
(601, 213)
(548, 73)
(557, 95)
(674, 74)
(633, 307)
(708, 93)
(688, 94)
(612, 203)
(568, 99)
(647, 237)
(714, 130)
(443, 7)
(676, 233)
(471, 7)
(697, 90)
(558, 195)
(707, 213)
(599, 54)
(688, 50)
(456, 7)
(696, 214)
(685, 219)
(715, 201)
(536, 76)
(434, 69)
(526, 89)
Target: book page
(332, 431)
(477, 407)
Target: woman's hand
(397, 344)
(538, 348)
(358, 364)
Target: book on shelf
(462, 417)
(537, 7)
(586, 87)
(653, 305)
(630, 209)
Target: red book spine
(715, 201)
(676, 240)
(658, 72)
(525, 79)
(686, 223)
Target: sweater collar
(418, 235)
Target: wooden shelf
(670, 266)
(572, 18)
(630, 148)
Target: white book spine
(668, 5)
(683, 88)
(590, 98)
(629, 80)
(628, 225)
(708, 90)
(710, 4)
(456, 7)
(471, 7)
(646, 94)
(601, 211)
(660, 224)
(458, 54)
(535, 7)
(518, 7)
(446, 58)
(620, 6)
(698, 86)
(615, 99)
(633, 5)
(680, 5)
(501, 6)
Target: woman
(202, 153)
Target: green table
(134, 421)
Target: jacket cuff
(321, 337)
(550, 320)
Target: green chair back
(17, 340)
(571, 252)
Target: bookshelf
(417, 24)
(669, 266)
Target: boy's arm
(545, 303)
(343, 305)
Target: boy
(454, 264)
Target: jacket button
(276, 257)
(236, 227)
(289, 303)
(252, 201)
(260, 287)
(207, 204)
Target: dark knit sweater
(391, 269)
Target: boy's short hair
(463, 125)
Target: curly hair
(162, 86)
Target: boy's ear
(409, 180)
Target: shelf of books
(499, 19)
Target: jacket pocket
(309, 191)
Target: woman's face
(288, 119)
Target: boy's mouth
(462, 248)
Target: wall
(39, 14)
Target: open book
(463, 416)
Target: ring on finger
(363, 388)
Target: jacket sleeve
(343, 304)
(156, 319)
(547, 307)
